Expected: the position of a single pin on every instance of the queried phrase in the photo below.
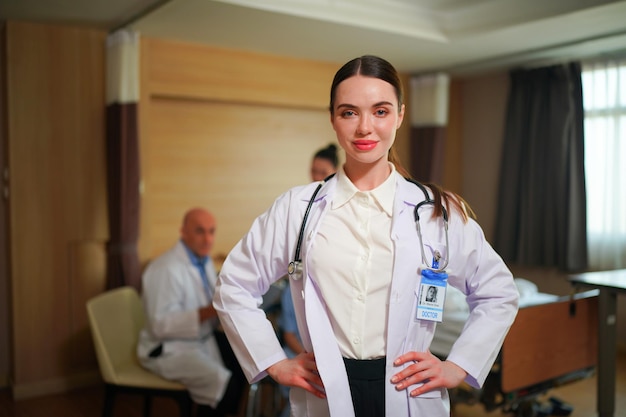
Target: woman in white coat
(356, 291)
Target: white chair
(115, 318)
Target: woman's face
(321, 168)
(365, 119)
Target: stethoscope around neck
(444, 216)
(295, 267)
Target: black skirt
(367, 386)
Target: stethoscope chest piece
(295, 267)
(295, 270)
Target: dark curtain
(427, 148)
(541, 203)
(123, 267)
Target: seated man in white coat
(180, 341)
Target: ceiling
(417, 36)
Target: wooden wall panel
(234, 159)
(55, 79)
(5, 300)
(204, 72)
(226, 129)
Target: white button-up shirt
(353, 256)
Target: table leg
(607, 352)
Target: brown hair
(367, 66)
(376, 67)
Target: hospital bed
(552, 342)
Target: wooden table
(610, 283)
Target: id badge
(432, 294)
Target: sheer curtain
(604, 101)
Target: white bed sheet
(456, 312)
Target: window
(604, 101)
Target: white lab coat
(172, 293)
(262, 257)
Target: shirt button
(360, 297)
(356, 340)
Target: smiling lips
(365, 145)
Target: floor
(581, 395)
(87, 402)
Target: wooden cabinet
(57, 212)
